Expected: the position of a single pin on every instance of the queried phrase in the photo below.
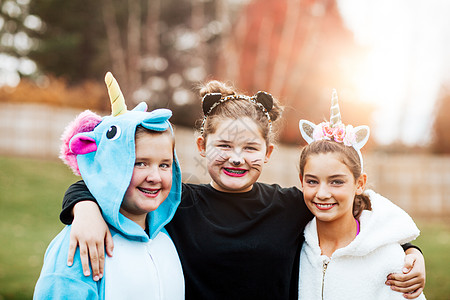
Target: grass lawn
(31, 192)
(434, 240)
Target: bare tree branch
(114, 43)
(151, 29)
(134, 45)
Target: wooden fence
(420, 184)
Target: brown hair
(349, 157)
(238, 108)
(140, 131)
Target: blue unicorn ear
(158, 120)
(141, 107)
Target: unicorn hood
(102, 151)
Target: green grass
(434, 240)
(31, 192)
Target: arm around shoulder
(75, 193)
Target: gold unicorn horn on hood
(335, 114)
(118, 105)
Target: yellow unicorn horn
(335, 114)
(115, 95)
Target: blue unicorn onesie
(144, 266)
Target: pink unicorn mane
(84, 122)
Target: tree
(158, 50)
(16, 27)
(71, 42)
(298, 51)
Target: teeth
(148, 191)
(235, 171)
(324, 205)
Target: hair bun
(265, 99)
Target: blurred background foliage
(160, 51)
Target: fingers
(412, 279)
(400, 279)
(84, 259)
(90, 232)
(93, 254)
(109, 243)
(410, 288)
(413, 295)
(72, 249)
(89, 252)
(411, 292)
(101, 252)
(101, 260)
(409, 263)
(403, 280)
(409, 284)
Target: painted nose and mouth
(234, 170)
(235, 163)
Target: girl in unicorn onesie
(128, 162)
(237, 238)
(353, 242)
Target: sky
(408, 61)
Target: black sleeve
(75, 193)
(409, 245)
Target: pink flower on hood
(319, 132)
(350, 137)
(339, 133)
(328, 131)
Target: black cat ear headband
(262, 100)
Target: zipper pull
(324, 269)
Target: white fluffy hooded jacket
(359, 270)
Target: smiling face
(329, 187)
(152, 176)
(235, 153)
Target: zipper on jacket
(324, 269)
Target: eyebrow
(330, 177)
(147, 159)
(309, 175)
(254, 143)
(337, 176)
(231, 142)
(223, 141)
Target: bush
(55, 91)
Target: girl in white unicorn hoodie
(354, 240)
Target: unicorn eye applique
(113, 132)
